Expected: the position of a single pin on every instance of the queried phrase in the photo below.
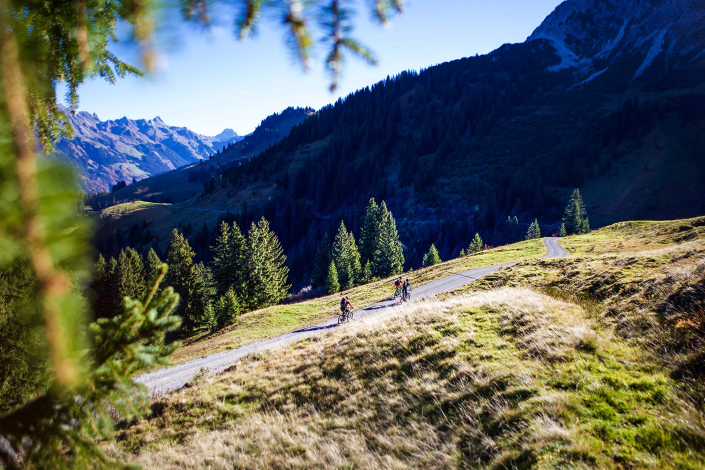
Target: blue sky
(208, 80)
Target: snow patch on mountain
(655, 50)
(590, 78)
(613, 43)
(569, 59)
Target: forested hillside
(470, 145)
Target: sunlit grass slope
(508, 378)
(643, 280)
(280, 319)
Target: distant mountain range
(105, 152)
(188, 181)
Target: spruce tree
(332, 284)
(562, 232)
(462, 253)
(207, 319)
(476, 245)
(201, 296)
(575, 214)
(534, 230)
(354, 260)
(267, 273)
(229, 259)
(130, 275)
(369, 236)
(586, 226)
(366, 273)
(105, 297)
(388, 259)
(182, 277)
(226, 309)
(320, 267)
(346, 257)
(151, 265)
(431, 257)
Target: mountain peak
(227, 134)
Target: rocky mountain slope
(106, 152)
(624, 39)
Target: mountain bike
(405, 296)
(345, 316)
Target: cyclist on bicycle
(397, 285)
(405, 288)
(344, 304)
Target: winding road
(174, 377)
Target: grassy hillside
(643, 280)
(281, 319)
(562, 375)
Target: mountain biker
(405, 289)
(344, 304)
(397, 285)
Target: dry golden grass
(508, 378)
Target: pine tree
(320, 267)
(130, 275)
(369, 236)
(562, 231)
(226, 309)
(431, 257)
(354, 260)
(182, 277)
(151, 265)
(586, 226)
(229, 259)
(534, 230)
(462, 253)
(267, 273)
(332, 284)
(201, 296)
(208, 319)
(106, 299)
(388, 258)
(366, 273)
(476, 245)
(346, 257)
(575, 214)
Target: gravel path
(174, 377)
